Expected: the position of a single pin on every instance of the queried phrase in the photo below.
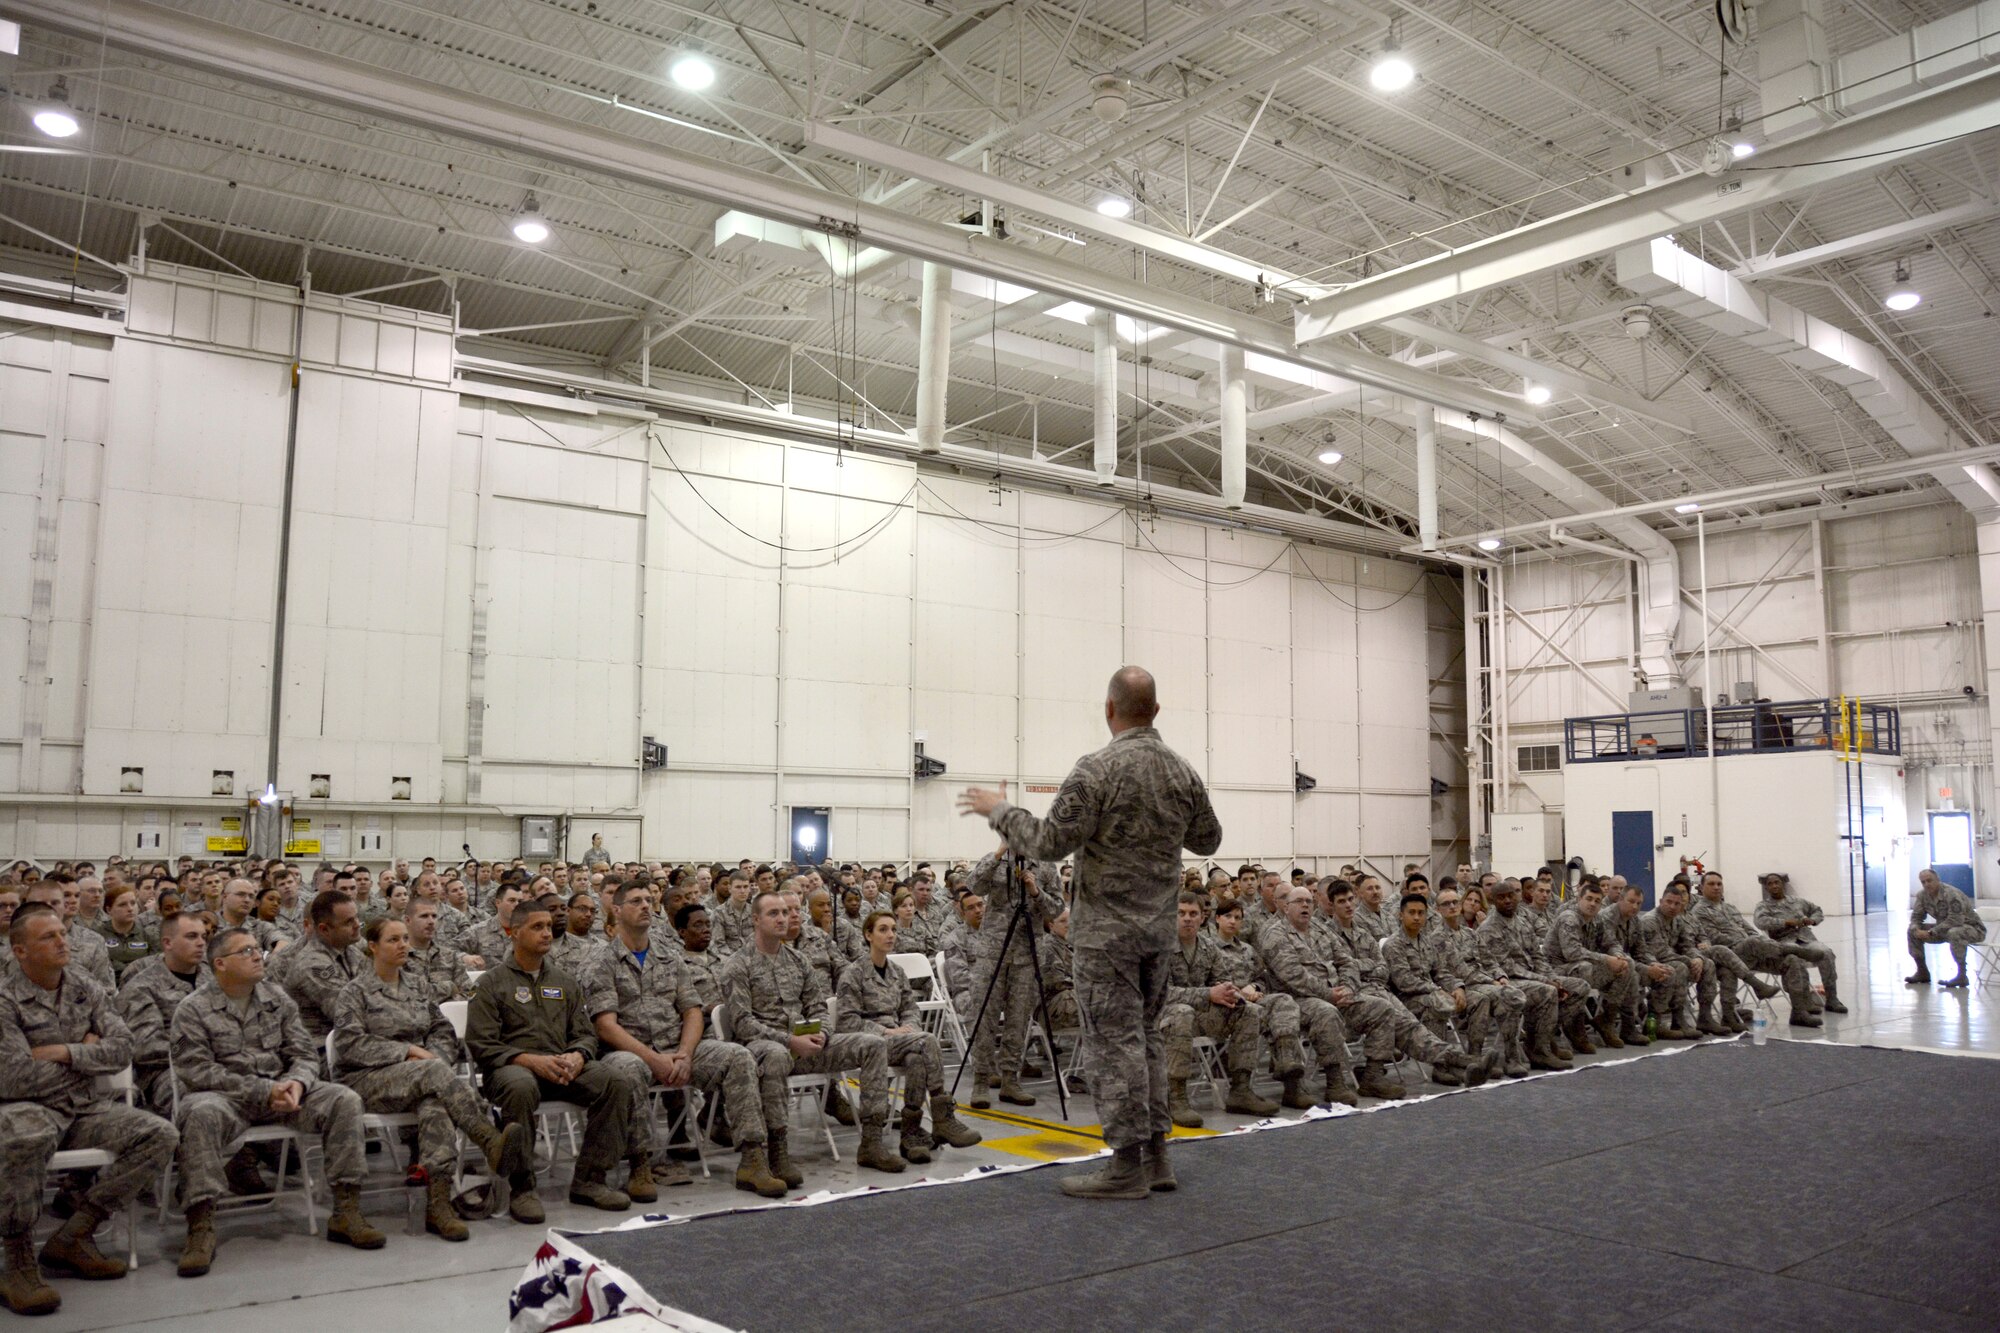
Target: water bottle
(1760, 1027)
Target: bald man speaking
(1126, 811)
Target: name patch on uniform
(521, 995)
(552, 992)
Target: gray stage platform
(1789, 1186)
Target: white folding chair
(950, 1026)
(1986, 962)
(289, 1141)
(1208, 1059)
(931, 1012)
(117, 1085)
(386, 1129)
(812, 1089)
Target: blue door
(1951, 848)
(1632, 849)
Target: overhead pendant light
(529, 225)
(1489, 543)
(1687, 507)
(1538, 393)
(1112, 206)
(54, 118)
(692, 73)
(1903, 296)
(1740, 146)
(1330, 457)
(1391, 73)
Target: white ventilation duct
(1104, 396)
(1803, 86)
(1235, 395)
(1669, 276)
(933, 357)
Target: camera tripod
(1020, 919)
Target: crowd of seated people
(253, 993)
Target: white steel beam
(1864, 144)
(165, 34)
(1896, 233)
(1558, 377)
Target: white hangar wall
(494, 594)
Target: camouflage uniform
(1489, 1006)
(454, 929)
(704, 972)
(1009, 1001)
(765, 995)
(734, 928)
(1378, 922)
(1736, 947)
(1657, 996)
(958, 970)
(439, 971)
(374, 1026)
(147, 998)
(544, 1012)
(268, 936)
(1422, 978)
(1798, 941)
(1294, 966)
(649, 999)
(1584, 950)
(489, 942)
(1502, 951)
(817, 947)
(1673, 943)
(47, 1106)
(1191, 970)
(872, 1002)
(1059, 981)
(1384, 1025)
(314, 976)
(1950, 919)
(87, 955)
(227, 1063)
(1279, 1012)
(1126, 811)
(580, 955)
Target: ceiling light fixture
(1391, 73)
(1489, 543)
(55, 118)
(1687, 507)
(528, 223)
(1903, 296)
(1739, 142)
(692, 73)
(1538, 393)
(1112, 206)
(1330, 457)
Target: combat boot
(1470, 1069)
(1294, 1097)
(1732, 1019)
(1578, 1033)
(639, 1186)
(915, 1144)
(873, 1155)
(440, 1218)
(1707, 1025)
(1010, 1092)
(1764, 989)
(946, 1128)
(1606, 1024)
(1159, 1171)
(198, 1252)
(837, 1105)
(1635, 1031)
(22, 1289)
(753, 1173)
(72, 1251)
(1832, 1004)
(1243, 1099)
(1543, 1056)
(1920, 977)
(347, 1226)
(981, 1097)
(1515, 1061)
(1444, 1075)
(1123, 1177)
(525, 1206)
(1376, 1083)
(1339, 1087)
(1178, 1109)
(781, 1160)
(590, 1189)
(506, 1149)
(242, 1174)
(1805, 1020)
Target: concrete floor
(419, 1281)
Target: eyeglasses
(238, 953)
